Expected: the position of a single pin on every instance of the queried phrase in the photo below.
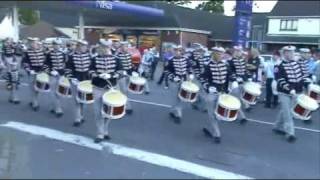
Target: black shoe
(248, 109)
(267, 106)
(217, 140)
(195, 107)
(98, 140)
(176, 119)
(52, 111)
(30, 104)
(106, 137)
(10, 101)
(307, 121)
(146, 92)
(291, 138)
(16, 102)
(59, 115)
(243, 121)
(129, 111)
(76, 124)
(207, 133)
(36, 108)
(277, 131)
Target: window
(288, 25)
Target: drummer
(290, 83)
(56, 60)
(238, 76)
(178, 70)
(34, 63)
(104, 76)
(214, 81)
(126, 69)
(78, 66)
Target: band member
(56, 60)
(34, 63)
(104, 75)
(238, 76)
(179, 70)
(124, 60)
(78, 66)
(290, 83)
(8, 51)
(13, 67)
(307, 64)
(214, 82)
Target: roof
(41, 29)
(296, 8)
(291, 40)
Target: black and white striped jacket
(303, 63)
(216, 75)
(8, 50)
(104, 64)
(238, 69)
(289, 76)
(78, 66)
(178, 67)
(35, 60)
(198, 65)
(56, 60)
(125, 62)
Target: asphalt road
(251, 150)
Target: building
(293, 22)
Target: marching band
(225, 88)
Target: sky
(261, 6)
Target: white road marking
(169, 106)
(152, 158)
(253, 120)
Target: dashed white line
(120, 150)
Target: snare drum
(136, 84)
(64, 88)
(227, 107)
(304, 107)
(251, 91)
(85, 93)
(188, 91)
(114, 103)
(314, 92)
(42, 83)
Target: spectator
(253, 64)
(166, 56)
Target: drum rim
(43, 75)
(122, 103)
(138, 80)
(238, 106)
(251, 90)
(85, 90)
(311, 102)
(183, 84)
(315, 88)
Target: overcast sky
(261, 6)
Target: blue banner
(120, 6)
(242, 28)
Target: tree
(28, 16)
(213, 6)
(179, 2)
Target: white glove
(116, 75)
(54, 73)
(308, 80)
(124, 73)
(176, 79)
(314, 78)
(135, 74)
(293, 92)
(191, 77)
(249, 79)
(105, 76)
(239, 79)
(212, 89)
(74, 81)
(32, 72)
(234, 85)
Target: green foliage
(178, 2)
(28, 16)
(213, 6)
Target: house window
(288, 25)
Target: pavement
(147, 144)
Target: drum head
(42, 77)
(252, 88)
(138, 80)
(190, 86)
(85, 86)
(114, 98)
(315, 88)
(229, 102)
(307, 102)
(64, 82)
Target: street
(147, 144)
